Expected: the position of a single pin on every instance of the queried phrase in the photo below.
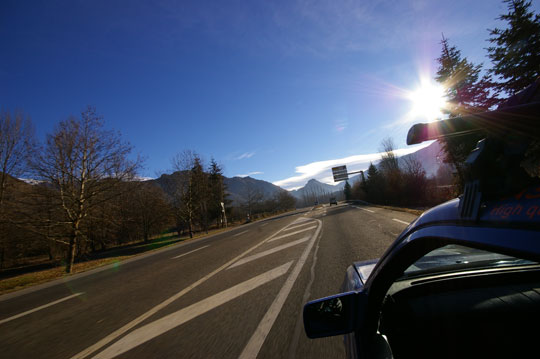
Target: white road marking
(39, 308)
(195, 250)
(298, 226)
(257, 339)
(302, 220)
(109, 338)
(238, 234)
(264, 224)
(364, 209)
(400, 221)
(168, 322)
(268, 252)
(292, 233)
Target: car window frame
(413, 244)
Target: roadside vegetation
(85, 198)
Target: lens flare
(427, 101)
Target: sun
(427, 101)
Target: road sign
(340, 173)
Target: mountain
(238, 188)
(314, 188)
(430, 157)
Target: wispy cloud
(322, 170)
(245, 155)
(250, 174)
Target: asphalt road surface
(238, 294)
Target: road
(238, 294)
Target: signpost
(340, 173)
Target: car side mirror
(334, 315)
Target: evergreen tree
(515, 53)
(466, 93)
(217, 193)
(374, 185)
(347, 190)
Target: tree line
(400, 182)
(85, 195)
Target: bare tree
(182, 191)
(16, 140)
(85, 164)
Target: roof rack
(521, 120)
(495, 168)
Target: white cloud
(250, 174)
(245, 155)
(322, 170)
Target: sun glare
(427, 101)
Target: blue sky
(276, 89)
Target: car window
(455, 258)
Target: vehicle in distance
(333, 201)
(463, 279)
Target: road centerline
(268, 252)
(400, 221)
(298, 226)
(195, 250)
(365, 209)
(170, 321)
(256, 341)
(40, 307)
(122, 330)
(239, 234)
(292, 233)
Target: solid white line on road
(239, 234)
(302, 220)
(298, 226)
(292, 233)
(364, 209)
(257, 339)
(168, 322)
(39, 308)
(268, 252)
(195, 250)
(109, 338)
(400, 221)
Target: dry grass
(29, 279)
(25, 280)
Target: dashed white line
(400, 221)
(292, 233)
(264, 224)
(168, 322)
(364, 209)
(185, 254)
(238, 234)
(268, 252)
(39, 308)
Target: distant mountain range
(239, 188)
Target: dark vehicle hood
(520, 210)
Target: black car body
(462, 280)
